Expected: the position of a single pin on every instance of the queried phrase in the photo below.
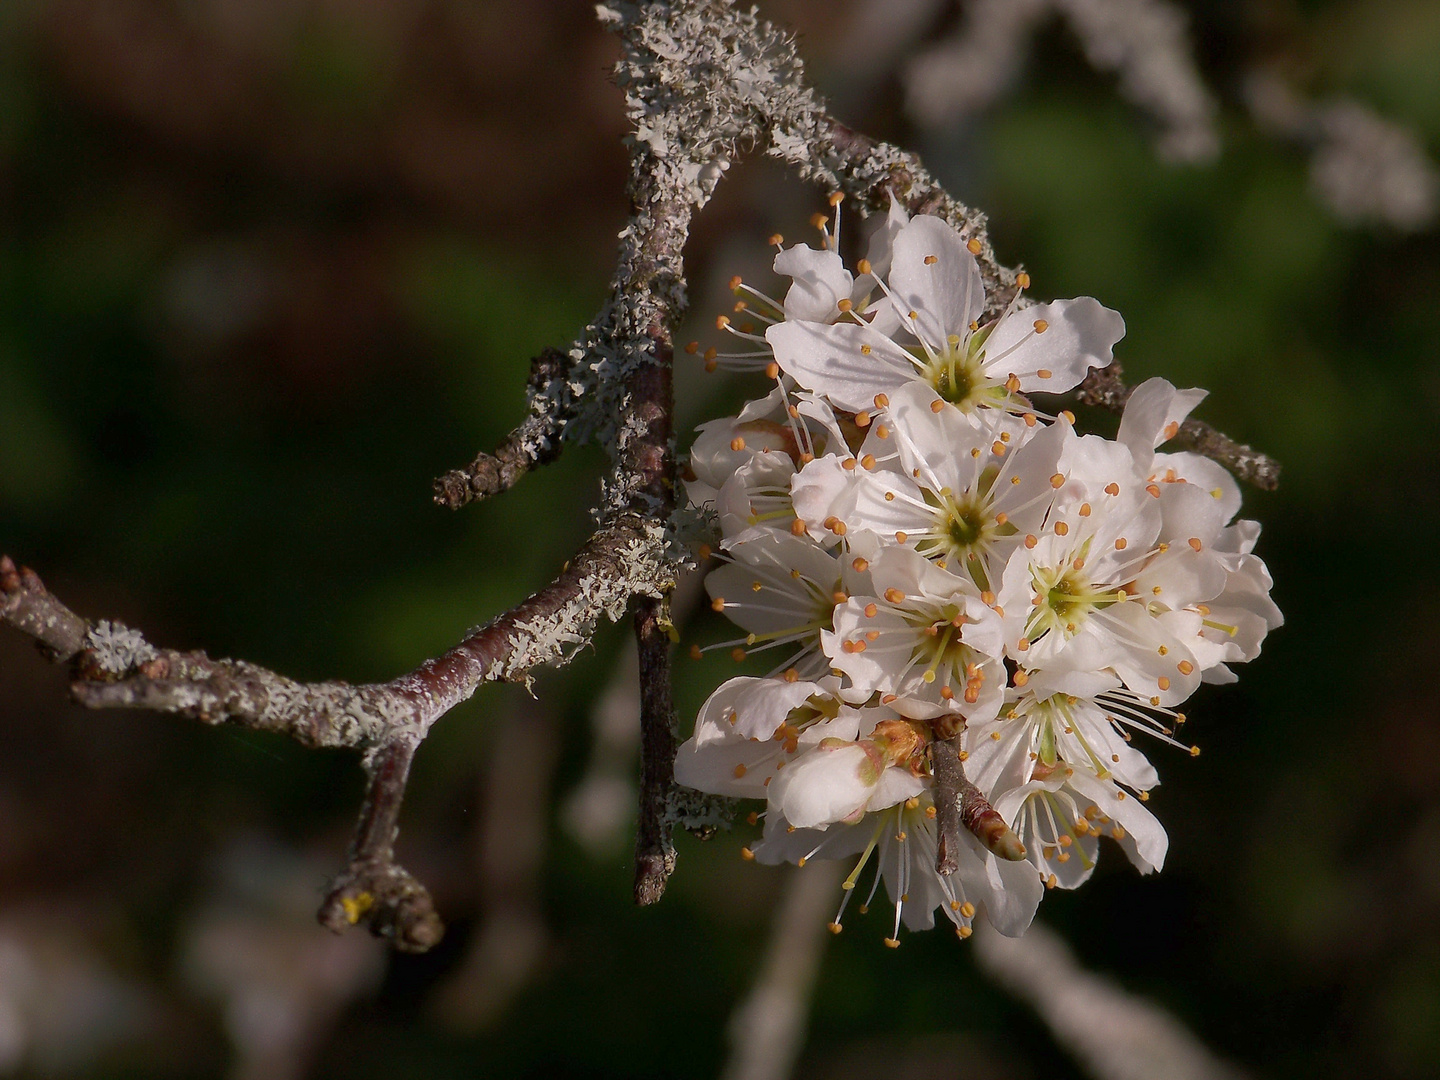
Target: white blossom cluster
(930, 556)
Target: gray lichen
(116, 649)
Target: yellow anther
(772, 370)
(797, 527)
(737, 444)
(356, 906)
(775, 240)
(740, 770)
(1022, 280)
(819, 221)
(1112, 489)
(692, 347)
(1120, 543)
(747, 854)
(1154, 490)
(868, 462)
(844, 304)
(737, 655)
(718, 604)
(735, 282)
(894, 595)
(1084, 509)
(937, 406)
(695, 653)
(1185, 667)
(973, 246)
(722, 321)
(862, 419)
(931, 260)
(1031, 540)
(1194, 542)
(1062, 529)
(1057, 480)
(863, 266)
(1040, 327)
(881, 431)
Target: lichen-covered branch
(702, 80)
(374, 889)
(535, 442)
(26, 605)
(1105, 388)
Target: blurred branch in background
(1362, 166)
(767, 1029)
(252, 948)
(601, 806)
(1113, 1034)
(508, 945)
(1146, 42)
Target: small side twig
(373, 888)
(27, 605)
(654, 852)
(535, 442)
(1105, 388)
(960, 805)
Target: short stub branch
(373, 889)
(959, 805)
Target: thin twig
(654, 852)
(959, 805)
(26, 605)
(373, 888)
(535, 442)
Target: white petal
(1149, 413)
(1079, 334)
(933, 275)
(828, 359)
(820, 282)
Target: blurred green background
(269, 266)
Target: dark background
(268, 266)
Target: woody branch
(701, 79)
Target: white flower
(956, 488)
(925, 639)
(751, 728)
(904, 839)
(1061, 814)
(783, 591)
(932, 558)
(936, 293)
(1055, 717)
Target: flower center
(1063, 599)
(958, 373)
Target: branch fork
(701, 78)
